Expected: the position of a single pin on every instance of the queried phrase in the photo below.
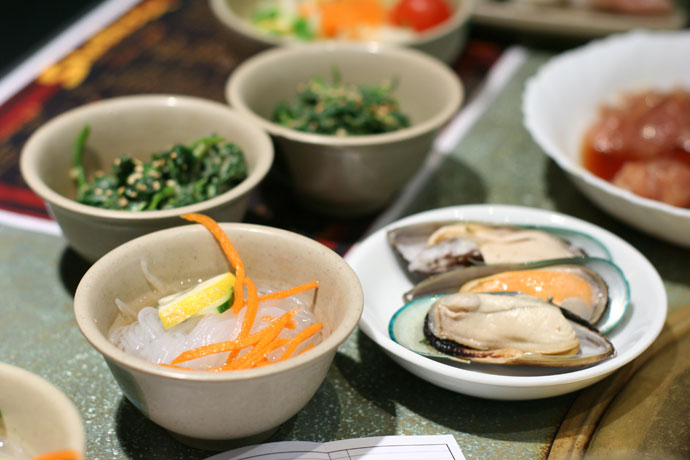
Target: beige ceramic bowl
(443, 42)
(138, 126)
(38, 417)
(215, 410)
(356, 174)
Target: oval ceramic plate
(384, 283)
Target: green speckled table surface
(365, 393)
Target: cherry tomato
(420, 14)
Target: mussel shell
(407, 328)
(407, 241)
(606, 274)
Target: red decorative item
(420, 14)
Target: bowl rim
(246, 69)
(460, 17)
(329, 345)
(563, 161)
(30, 154)
(70, 417)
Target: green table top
(365, 393)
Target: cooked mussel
(592, 288)
(498, 328)
(435, 247)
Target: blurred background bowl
(207, 409)
(563, 99)
(137, 126)
(38, 417)
(444, 41)
(348, 175)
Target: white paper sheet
(440, 447)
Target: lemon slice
(211, 296)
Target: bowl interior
(138, 127)
(258, 87)
(272, 258)
(38, 417)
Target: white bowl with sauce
(563, 99)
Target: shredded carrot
(268, 318)
(289, 292)
(303, 335)
(272, 330)
(255, 355)
(340, 17)
(230, 252)
(266, 340)
(252, 308)
(173, 366)
(65, 454)
(213, 348)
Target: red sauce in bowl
(643, 145)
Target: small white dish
(384, 283)
(563, 99)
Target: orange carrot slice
(289, 292)
(303, 335)
(252, 308)
(230, 252)
(340, 17)
(271, 331)
(65, 454)
(173, 366)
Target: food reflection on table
(381, 20)
(642, 144)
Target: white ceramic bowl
(562, 100)
(444, 41)
(216, 410)
(384, 283)
(350, 175)
(38, 417)
(137, 126)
